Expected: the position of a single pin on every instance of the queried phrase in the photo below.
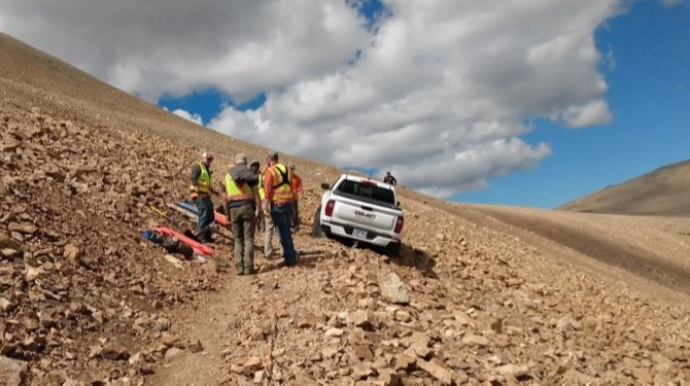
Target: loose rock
(438, 372)
(393, 290)
(12, 372)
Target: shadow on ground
(308, 259)
(414, 258)
(407, 257)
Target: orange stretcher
(198, 247)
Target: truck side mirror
(398, 203)
(325, 186)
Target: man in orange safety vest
(279, 203)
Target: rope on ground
(270, 358)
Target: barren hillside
(489, 295)
(663, 192)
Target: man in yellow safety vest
(279, 201)
(200, 191)
(241, 202)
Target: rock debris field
(85, 300)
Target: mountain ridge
(660, 192)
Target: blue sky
(648, 74)
(649, 96)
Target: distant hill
(663, 192)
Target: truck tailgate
(366, 216)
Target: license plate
(359, 233)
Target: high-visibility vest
(262, 192)
(235, 192)
(203, 182)
(282, 191)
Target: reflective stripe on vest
(262, 192)
(282, 189)
(203, 182)
(235, 193)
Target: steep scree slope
(84, 301)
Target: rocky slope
(79, 288)
(462, 305)
(475, 298)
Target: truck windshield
(368, 191)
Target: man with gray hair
(241, 201)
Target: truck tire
(393, 249)
(316, 230)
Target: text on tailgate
(370, 216)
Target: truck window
(368, 191)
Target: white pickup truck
(362, 210)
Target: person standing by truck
(389, 179)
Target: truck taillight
(399, 225)
(330, 205)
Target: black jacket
(242, 173)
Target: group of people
(253, 196)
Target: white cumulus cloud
(154, 47)
(440, 92)
(196, 118)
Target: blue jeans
(282, 218)
(206, 217)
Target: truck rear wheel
(393, 249)
(316, 230)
